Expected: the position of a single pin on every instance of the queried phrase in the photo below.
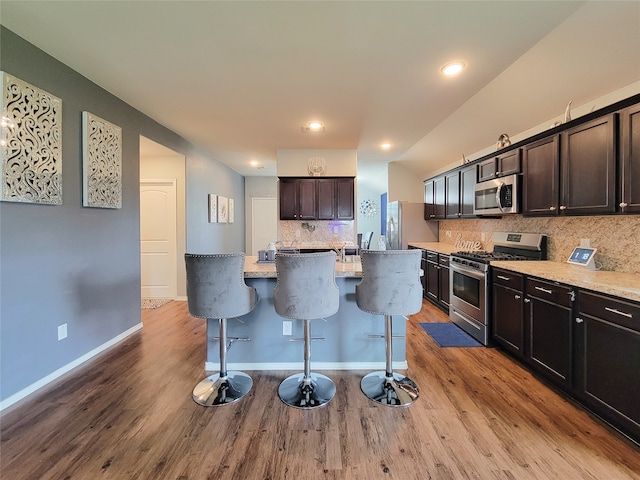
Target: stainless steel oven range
(469, 279)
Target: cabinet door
(423, 279)
(630, 159)
(589, 168)
(433, 277)
(608, 359)
(429, 200)
(306, 199)
(540, 161)
(443, 276)
(326, 199)
(467, 191)
(550, 344)
(452, 195)
(508, 163)
(439, 197)
(288, 199)
(345, 199)
(508, 319)
(487, 170)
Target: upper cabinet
(630, 160)
(316, 198)
(502, 165)
(459, 192)
(434, 198)
(572, 173)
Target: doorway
(162, 222)
(158, 238)
(264, 224)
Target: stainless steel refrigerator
(406, 224)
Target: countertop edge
(617, 284)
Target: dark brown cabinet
(316, 199)
(508, 315)
(507, 163)
(434, 198)
(459, 189)
(549, 315)
(344, 199)
(572, 173)
(437, 279)
(630, 160)
(607, 332)
(588, 160)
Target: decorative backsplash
(617, 238)
(319, 231)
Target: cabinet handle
(614, 310)
(579, 320)
(552, 208)
(623, 204)
(502, 277)
(432, 215)
(526, 300)
(517, 297)
(544, 290)
(572, 295)
(563, 207)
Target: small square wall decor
(223, 209)
(30, 144)
(231, 211)
(101, 163)
(213, 208)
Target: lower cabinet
(586, 343)
(437, 280)
(607, 333)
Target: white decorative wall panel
(101, 162)
(31, 144)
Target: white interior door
(158, 238)
(264, 223)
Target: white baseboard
(180, 299)
(7, 402)
(213, 366)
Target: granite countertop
(439, 247)
(623, 285)
(252, 269)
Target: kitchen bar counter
(438, 247)
(347, 345)
(253, 269)
(618, 284)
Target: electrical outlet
(447, 233)
(62, 331)
(286, 327)
(297, 233)
(483, 236)
(585, 243)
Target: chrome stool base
(214, 390)
(398, 391)
(319, 392)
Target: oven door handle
(498, 196)
(469, 272)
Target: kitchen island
(347, 345)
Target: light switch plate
(286, 327)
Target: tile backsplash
(319, 231)
(617, 238)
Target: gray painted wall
(81, 266)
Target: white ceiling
(239, 79)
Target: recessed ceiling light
(452, 68)
(253, 163)
(313, 126)
(386, 146)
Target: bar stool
(306, 289)
(216, 289)
(390, 286)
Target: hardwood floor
(129, 415)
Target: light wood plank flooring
(129, 415)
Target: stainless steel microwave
(500, 196)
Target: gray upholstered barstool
(216, 289)
(390, 286)
(306, 290)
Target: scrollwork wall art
(31, 146)
(101, 163)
